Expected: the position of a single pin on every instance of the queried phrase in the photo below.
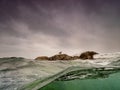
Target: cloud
(45, 28)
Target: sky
(31, 28)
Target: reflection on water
(110, 83)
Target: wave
(72, 73)
(28, 74)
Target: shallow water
(110, 83)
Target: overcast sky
(31, 28)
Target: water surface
(110, 83)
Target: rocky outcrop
(88, 55)
(42, 58)
(61, 57)
(75, 57)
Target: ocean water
(110, 83)
(17, 73)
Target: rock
(88, 55)
(75, 57)
(61, 57)
(42, 58)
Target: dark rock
(61, 57)
(42, 58)
(88, 55)
(75, 57)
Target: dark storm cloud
(33, 27)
